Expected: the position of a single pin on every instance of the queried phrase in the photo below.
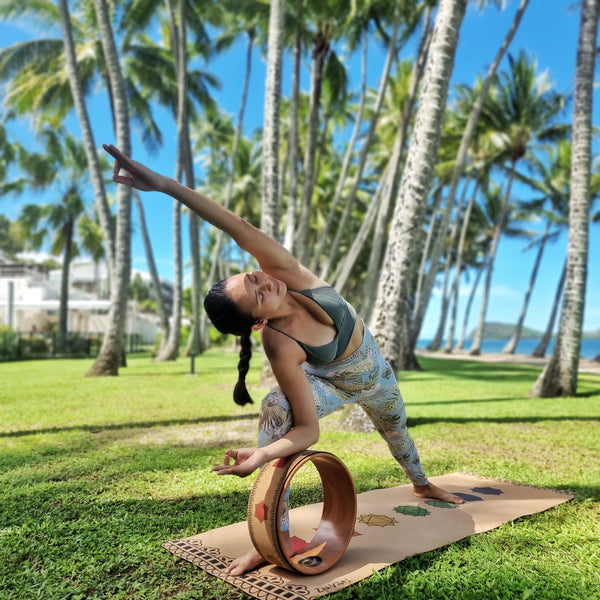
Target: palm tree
(169, 349)
(77, 91)
(38, 85)
(327, 18)
(469, 131)
(520, 111)
(560, 375)
(111, 353)
(250, 30)
(270, 178)
(550, 177)
(392, 172)
(389, 320)
(62, 167)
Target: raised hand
(130, 172)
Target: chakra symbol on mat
(260, 511)
(468, 497)
(487, 490)
(413, 511)
(377, 520)
(310, 561)
(440, 504)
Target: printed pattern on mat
(413, 510)
(212, 561)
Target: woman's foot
(245, 563)
(433, 491)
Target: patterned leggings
(366, 378)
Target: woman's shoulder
(281, 348)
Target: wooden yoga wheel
(335, 529)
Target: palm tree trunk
(392, 172)
(183, 127)
(63, 310)
(320, 51)
(559, 378)
(333, 215)
(156, 286)
(102, 207)
(392, 303)
(340, 277)
(463, 332)
(269, 222)
(431, 230)
(170, 347)
(290, 226)
(511, 346)
(461, 157)
(385, 77)
(458, 269)
(214, 260)
(417, 321)
(111, 354)
(476, 346)
(540, 350)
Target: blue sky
(548, 32)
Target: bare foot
(245, 563)
(433, 491)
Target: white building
(30, 296)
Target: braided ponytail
(227, 317)
(240, 393)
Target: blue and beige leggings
(365, 378)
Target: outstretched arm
(271, 255)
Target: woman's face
(256, 293)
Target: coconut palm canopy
(363, 113)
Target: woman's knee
(275, 418)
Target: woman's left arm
(305, 429)
(270, 254)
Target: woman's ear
(259, 325)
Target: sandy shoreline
(585, 364)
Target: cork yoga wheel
(338, 517)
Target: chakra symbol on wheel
(310, 561)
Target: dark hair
(227, 317)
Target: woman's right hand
(133, 173)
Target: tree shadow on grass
(415, 421)
(129, 425)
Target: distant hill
(496, 330)
(592, 335)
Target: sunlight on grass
(95, 474)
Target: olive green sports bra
(343, 316)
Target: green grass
(95, 474)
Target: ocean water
(590, 348)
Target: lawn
(95, 474)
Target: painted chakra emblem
(469, 497)
(260, 511)
(440, 504)
(412, 511)
(377, 520)
(490, 491)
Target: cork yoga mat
(391, 524)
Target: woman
(321, 353)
